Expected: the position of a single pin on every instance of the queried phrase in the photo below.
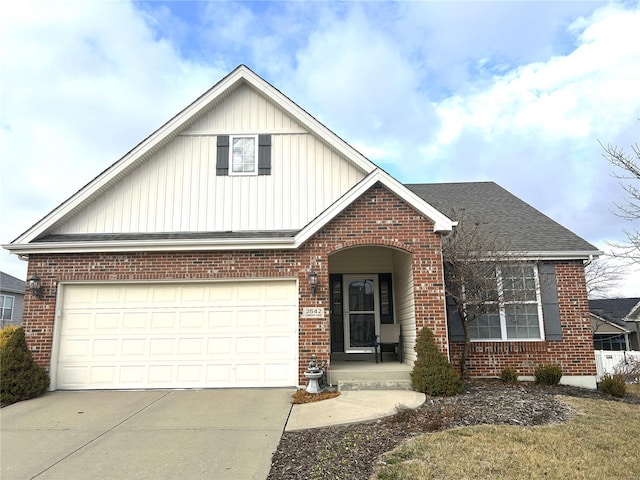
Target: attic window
(243, 155)
(239, 155)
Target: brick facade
(574, 353)
(379, 218)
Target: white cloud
(432, 91)
(83, 83)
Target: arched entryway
(370, 286)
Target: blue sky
(515, 92)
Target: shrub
(548, 374)
(509, 375)
(613, 385)
(432, 373)
(629, 368)
(21, 377)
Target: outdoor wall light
(313, 281)
(35, 286)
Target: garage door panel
(134, 347)
(193, 319)
(107, 321)
(220, 346)
(190, 346)
(176, 335)
(219, 374)
(132, 376)
(135, 321)
(105, 348)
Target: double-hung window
(518, 312)
(244, 155)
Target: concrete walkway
(155, 434)
(352, 407)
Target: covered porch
(371, 293)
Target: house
(11, 299)
(243, 237)
(613, 324)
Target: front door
(361, 314)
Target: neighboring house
(243, 237)
(613, 325)
(11, 299)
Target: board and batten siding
(177, 189)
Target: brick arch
(370, 242)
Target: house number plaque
(313, 312)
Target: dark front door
(361, 312)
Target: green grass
(600, 442)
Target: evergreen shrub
(432, 373)
(613, 385)
(21, 377)
(548, 374)
(509, 375)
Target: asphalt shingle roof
(527, 229)
(614, 309)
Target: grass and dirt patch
(597, 443)
(492, 430)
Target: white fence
(607, 361)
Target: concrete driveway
(156, 434)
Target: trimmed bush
(613, 385)
(432, 373)
(21, 377)
(548, 374)
(509, 375)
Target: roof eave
(563, 254)
(154, 245)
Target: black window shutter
(264, 154)
(386, 298)
(454, 322)
(550, 304)
(222, 155)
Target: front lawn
(600, 442)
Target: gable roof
(42, 237)
(11, 284)
(529, 230)
(171, 129)
(616, 310)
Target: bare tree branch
(602, 276)
(473, 254)
(627, 169)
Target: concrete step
(352, 385)
(370, 376)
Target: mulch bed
(352, 451)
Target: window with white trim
(518, 313)
(244, 155)
(6, 303)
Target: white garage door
(187, 335)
